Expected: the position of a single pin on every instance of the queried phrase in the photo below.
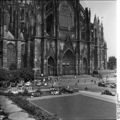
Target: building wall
(54, 37)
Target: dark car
(36, 94)
(113, 85)
(107, 92)
(65, 90)
(102, 84)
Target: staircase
(69, 78)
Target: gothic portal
(68, 63)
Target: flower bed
(31, 109)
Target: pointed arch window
(49, 24)
(66, 15)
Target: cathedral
(52, 37)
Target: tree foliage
(4, 75)
(26, 74)
(16, 75)
(111, 62)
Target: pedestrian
(76, 84)
(94, 82)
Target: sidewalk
(96, 95)
(14, 112)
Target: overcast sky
(106, 11)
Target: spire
(101, 24)
(86, 10)
(89, 13)
(102, 29)
(98, 20)
(94, 18)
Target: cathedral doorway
(51, 66)
(68, 65)
(11, 56)
(84, 65)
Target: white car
(14, 92)
(2, 117)
(28, 83)
(55, 92)
(39, 83)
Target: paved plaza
(80, 106)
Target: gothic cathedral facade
(53, 37)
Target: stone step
(68, 77)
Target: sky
(106, 10)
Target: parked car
(65, 90)
(102, 84)
(36, 94)
(39, 84)
(54, 91)
(108, 92)
(20, 89)
(13, 90)
(113, 85)
(28, 83)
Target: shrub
(4, 74)
(27, 74)
(14, 76)
(23, 73)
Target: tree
(111, 63)
(26, 74)
(23, 73)
(4, 75)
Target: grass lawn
(78, 107)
